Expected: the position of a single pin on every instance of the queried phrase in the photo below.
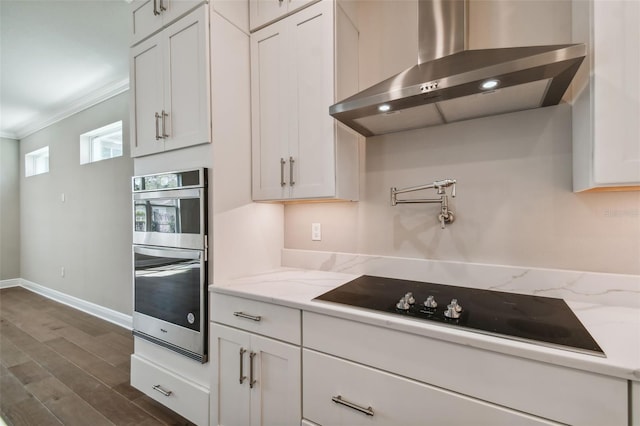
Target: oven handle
(172, 252)
(174, 193)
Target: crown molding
(8, 135)
(69, 109)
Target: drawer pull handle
(162, 391)
(338, 400)
(247, 316)
(251, 379)
(242, 376)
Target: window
(101, 144)
(36, 162)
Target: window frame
(34, 162)
(89, 140)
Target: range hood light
(490, 84)
(384, 108)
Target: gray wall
(515, 204)
(89, 234)
(9, 209)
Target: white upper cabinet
(606, 124)
(299, 151)
(262, 12)
(149, 16)
(169, 76)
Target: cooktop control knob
(430, 303)
(409, 298)
(453, 310)
(403, 305)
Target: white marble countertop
(616, 329)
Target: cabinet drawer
(278, 322)
(562, 394)
(186, 398)
(150, 16)
(338, 392)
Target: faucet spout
(446, 215)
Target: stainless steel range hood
(452, 84)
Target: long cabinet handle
(255, 318)
(291, 181)
(162, 391)
(338, 400)
(242, 376)
(157, 126)
(251, 379)
(282, 163)
(164, 127)
(162, 6)
(155, 8)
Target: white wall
(89, 234)
(9, 209)
(515, 204)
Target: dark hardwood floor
(59, 366)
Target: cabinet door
(146, 19)
(146, 96)
(230, 404)
(311, 137)
(276, 395)
(149, 16)
(186, 81)
(269, 94)
(616, 89)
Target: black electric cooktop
(535, 319)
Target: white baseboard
(14, 282)
(90, 308)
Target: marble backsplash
(579, 286)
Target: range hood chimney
(452, 84)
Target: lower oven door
(170, 298)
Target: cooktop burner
(544, 320)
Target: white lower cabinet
(181, 395)
(276, 365)
(402, 376)
(256, 380)
(338, 392)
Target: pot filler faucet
(446, 215)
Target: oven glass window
(170, 216)
(169, 289)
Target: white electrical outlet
(316, 232)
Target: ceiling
(58, 57)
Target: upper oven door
(170, 218)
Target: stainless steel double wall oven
(170, 260)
